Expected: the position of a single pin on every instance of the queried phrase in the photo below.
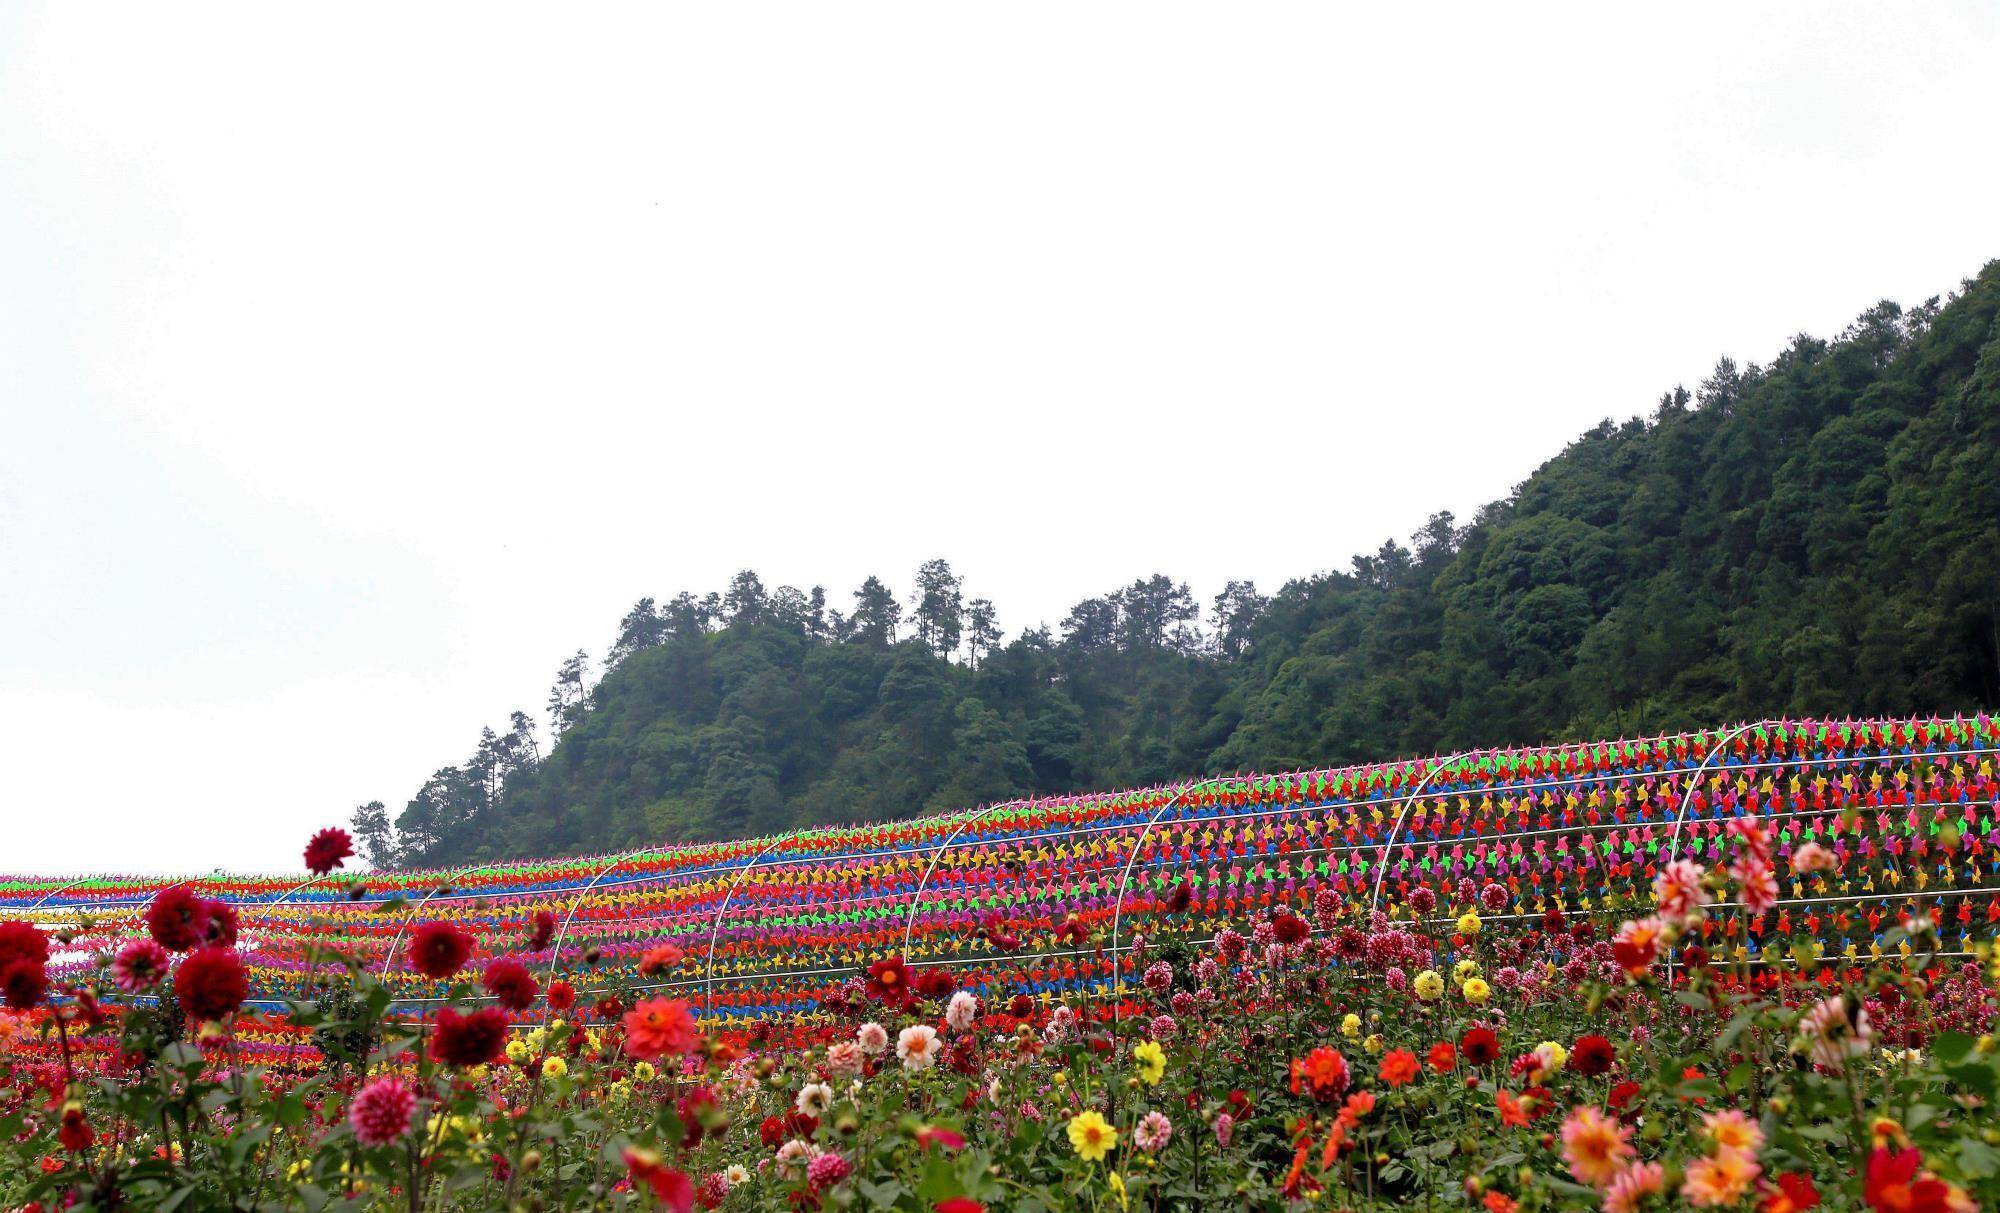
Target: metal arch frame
(1687, 797)
(569, 913)
(1694, 782)
(715, 924)
(1118, 906)
(916, 898)
(44, 898)
(1396, 827)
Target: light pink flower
(381, 1111)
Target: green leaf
(1951, 1047)
(1976, 1159)
(1974, 1076)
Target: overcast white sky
(353, 370)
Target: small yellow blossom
(1091, 1135)
(1152, 1061)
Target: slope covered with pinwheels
(1048, 896)
(1751, 965)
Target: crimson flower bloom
(510, 983)
(22, 941)
(1895, 1185)
(1443, 1058)
(24, 957)
(22, 984)
(221, 924)
(659, 958)
(1593, 1055)
(178, 919)
(326, 850)
(469, 1040)
(959, 1204)
(934, 982)
(1794, 1194)
(75, 1134)
(672, 1188)
(889, 981)
(1479, 1046)
(438, 950)
(544, 930)
(562, 995)
(1290, 928)
(211, 983)
(139, 965)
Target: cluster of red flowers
(180, 921)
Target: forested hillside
(1819, 535)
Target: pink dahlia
(139, 966)
(381, 1111)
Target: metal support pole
(910, 919)
(1687, 795)
(1118, 907)
(715, 926)
(1396, 827)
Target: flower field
(1743, 968)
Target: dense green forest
(1819, 535)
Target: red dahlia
(22, 984)
(889, 981)
(1479, 1046)
(24, 956)
(510, 983)
(326, 849)
(438, 950)
(1290, 928)
(562, 995)
(210, 984)
(469, 1040)
(221, 924)
(178, 919)
(22, 941)
(934, 982)
(1593, 1055)
(544, 930)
